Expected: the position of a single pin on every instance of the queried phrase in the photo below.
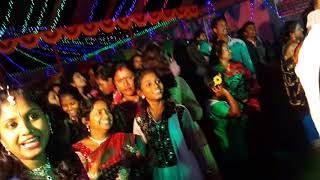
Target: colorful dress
(228, 131)
(168, 149)
(292, 84)
(241, 83)
(116, 154)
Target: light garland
(9, 59)
(93, 8)
(25, 24)
(132, 7)
(251, 10)
(33, 58)
(9, 75)
(43, 10)
(159, 25)
(267, 3)
(165, 4)
(57, 18)
(211, 8)
(7, 17)
(95, 53)
(116, 15)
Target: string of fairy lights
(87, 46)
(3, 26)
(93, 8)
(251, 10)
(42, 12)
(95, 53)
(25, 24)
(57, 17)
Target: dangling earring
(50, 128)
(88, 128)
(9, 153)
(143, 97)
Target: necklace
(98, 141)
(151, 117)
(42, 171)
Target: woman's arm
(234, 110)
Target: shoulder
(237, 41)
(237, 64)
(181, 109)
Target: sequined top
(158, 137)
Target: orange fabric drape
(73, 32)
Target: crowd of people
(160, 115)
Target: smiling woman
(26, 150)
(103, 153)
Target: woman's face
(53, 98)
(78, 80)
(70, 105)
(100, 117)
(298, 33)
(151, 87)
(226, 53)
(137, 62)
(106, 87)
(24, 129)
(124, 81)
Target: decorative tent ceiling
(44, 31)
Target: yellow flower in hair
(217, 80)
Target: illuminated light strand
(93, 8)
(211, 8)
(119, 10)
(132, 7)
(251, 10)
(7, 17)
(33, 58)
(165, 4)
(145, 2)
(9, 75)
(43, 10)
(57, 18)
(25, 24)
(159, 25)
(267, 3)
(111, 46)
(12, 61)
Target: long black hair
(216, 52)
(289, 27)
(64, 162)
(142, 103)
(85, 110)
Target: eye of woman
(33, 116)
(11, 124)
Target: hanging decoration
(89, 55)
(6, 19)
(93, 8)
(43, 10)
(119, 10)
(165, 4)
(273, 9)
(57, 18)
(28, 17)
(132, 7)
(33, 58)
(251, 10)
(12, 61)
(91, 29)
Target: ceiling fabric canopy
(91, 29)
